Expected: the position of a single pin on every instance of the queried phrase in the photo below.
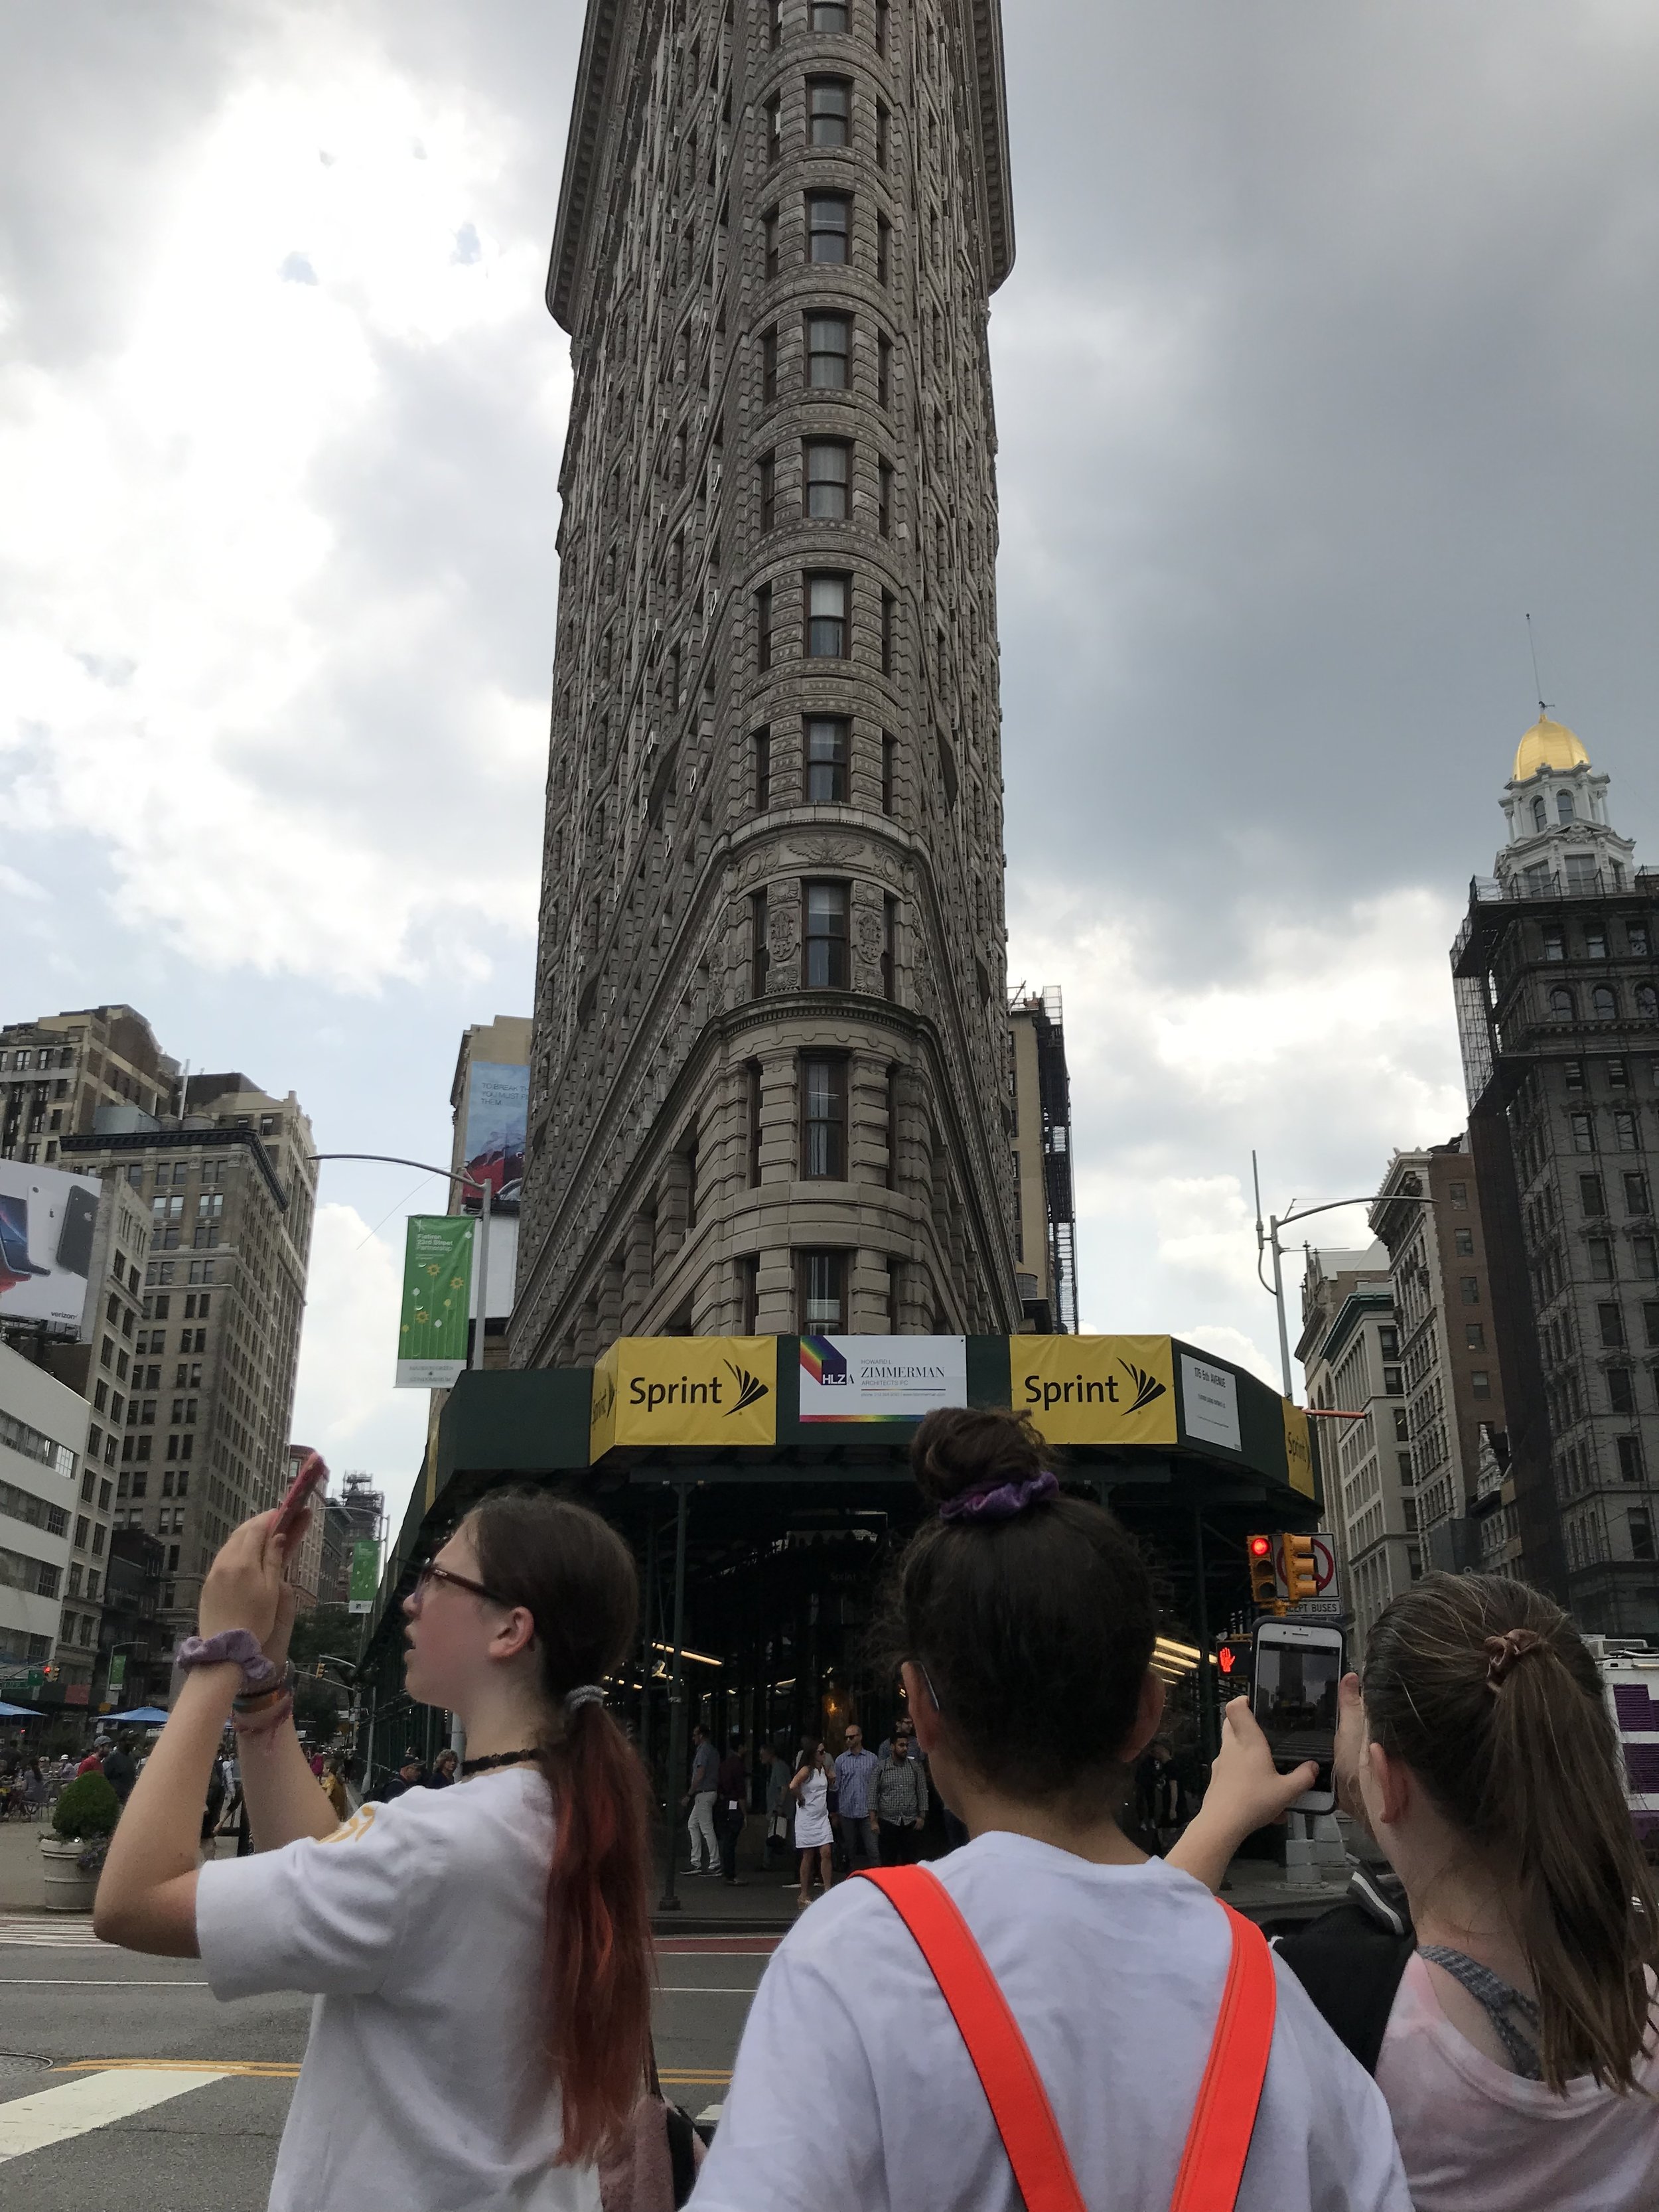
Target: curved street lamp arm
(1335, 1205)
(397, 1160)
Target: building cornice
(596, 82)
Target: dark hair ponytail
(573, 1572)
(1516, 1747)
(1036, 1631)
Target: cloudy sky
(1328, 351)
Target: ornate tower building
(769, 1086)
(1557, 968)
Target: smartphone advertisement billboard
(47, 1219)
(498, 1110)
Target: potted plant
(83, 1821)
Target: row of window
(1626, 1132)
(1595, 940)
(821, 1286)
(826, 356)
(826, 485)
(829, 120)
(35, 1578)
(1604, 1003)
(824, 964)
(34, 1443)
(33, 1512)
(833, 18)
(160, 1273)
(1615, 1073)
(826, 742)
(826, 620)
(1592, 1195)
(44, 1055)
(829, 236)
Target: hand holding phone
(312, 1475)
(1297, 1667)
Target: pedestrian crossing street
(45, 1931)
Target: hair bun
(960, 1448)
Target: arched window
(1647, 1002)
(1563, 806)
(1561, 1004)
(1606, 1005)
(1540, 819)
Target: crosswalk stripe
(42, 1931)
(56, 2116)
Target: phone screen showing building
(1295, 1700)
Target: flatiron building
(769, 1084)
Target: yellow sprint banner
(686, 1391)
(1298, 1458)
(1096, 1390)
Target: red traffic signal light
(1264, 1575)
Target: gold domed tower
(1556, 806)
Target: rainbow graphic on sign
(820, 1360)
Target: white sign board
(47, 1220)
(881, 1378)
(1209, 1399)
(1329, 1599)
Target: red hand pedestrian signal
(1228, 1661)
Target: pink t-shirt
(1476, 2138)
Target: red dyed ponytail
(573, 1572)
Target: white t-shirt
(1477, 2138)
(418, 1926)
(851, 2060)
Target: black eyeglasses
(432, 1572)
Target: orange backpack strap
(1224, 2118)
(1218, 2140)
(1013, 2088)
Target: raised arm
(1246, 1792)
(285, 1800)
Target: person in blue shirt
(855, 1777)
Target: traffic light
(1232, 1666)
(1301, 1569)
(1264, 1579)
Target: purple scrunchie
(1000, 1501)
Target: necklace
(496, 1758)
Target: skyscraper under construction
(769, 1087)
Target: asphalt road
(154, 2098)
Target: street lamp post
(1268, 1239)
(486, 1199)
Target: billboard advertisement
(437, 1286)
(881, 1378)
(1096, 1390)
(365, 1576)
(686, 1391)
(47, 1219)
(498, 1110)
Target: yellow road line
(275, 2069)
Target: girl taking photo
(1023, 1621)
(1509, 2012)
(481, 1953)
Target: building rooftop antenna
(1537, 680)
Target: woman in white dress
(810, 1792)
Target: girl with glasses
(481, 1953)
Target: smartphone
(312, 1475)
(1293, 1698)
(14, 1238)
(75, 1238)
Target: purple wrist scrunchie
(999, 1501)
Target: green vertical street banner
(365, 1576)
(437, 1286)
(118, 1672)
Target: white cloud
(192, 642)
(1328, 1043)
(344, 1403)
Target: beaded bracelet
(253, 1701)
